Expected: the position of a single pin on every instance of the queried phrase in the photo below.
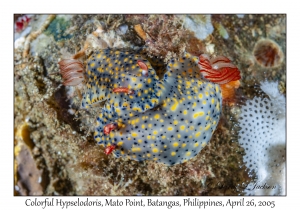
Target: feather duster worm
(221, 71)
(71, 71)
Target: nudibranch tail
(72, 71)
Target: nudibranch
(144, 118)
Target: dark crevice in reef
(39, 75)
(44, 69)
(61, 104)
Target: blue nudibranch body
(168, 120)
(145, 118)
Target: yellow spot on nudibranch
(175, 144)
(218, 106)
(154, 101)
(135, 149)
(197, 134)
(137, 109)
(170, 128)
(173, 153)
(207, 127)
(185, 112)
(188, 153)
(194, 105)
(155, 150)
(156, 116)
(134, 134)
(199, 114)
(120, 143)
(140, 85)
(174, 106)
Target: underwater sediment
(56, 136)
